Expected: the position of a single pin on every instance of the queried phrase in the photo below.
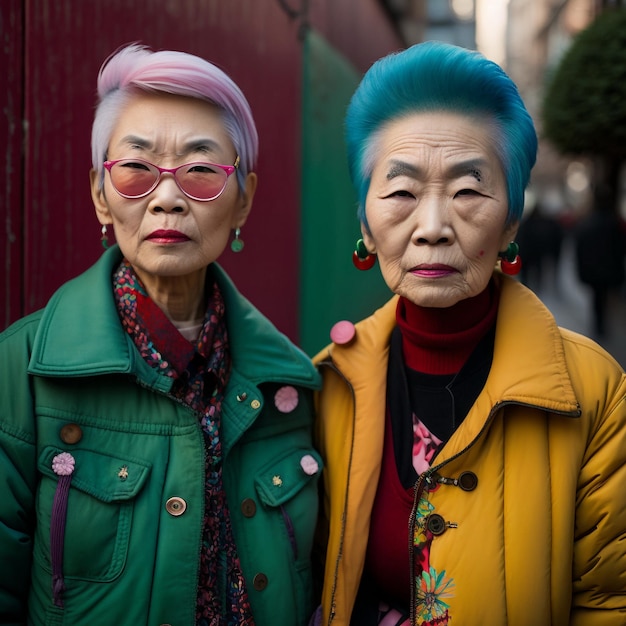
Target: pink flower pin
(63, 464)
(286, 399)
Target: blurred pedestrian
(540, 236)
(600, 242)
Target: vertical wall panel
(332, 289)
(11, 76)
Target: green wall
(331, 288)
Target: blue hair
(435, 76)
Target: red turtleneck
(439, 341)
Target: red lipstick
(167, 236)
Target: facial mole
(476, 174)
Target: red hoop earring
(361, 258)
(510, 260)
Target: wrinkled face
(167, 234)
(437, 207)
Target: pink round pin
(342, 332)
(309, 465)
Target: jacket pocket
(99, 512)
(282, 478)
(287, 488)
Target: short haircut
(435, 76)
(135, 68)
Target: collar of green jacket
(79, 334)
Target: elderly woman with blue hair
(156, 429)
(475, 452)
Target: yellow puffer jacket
(542, 538)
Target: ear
(368, 240)
(508, 235)
(244, 202)
(99, 201)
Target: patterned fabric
(432, 588)
(200, 372)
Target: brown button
(468, 481)
(436, 524)
(248, 507)
(71, 433)
(259, 582)
(175, 506)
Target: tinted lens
(202, 181)
(134, 178)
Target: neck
(439, 341)
(181, 298)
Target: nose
(433, 224)
(167, 196)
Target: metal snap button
(71, 433)
(175, 506)
(255, 404)
(259, 582)
(248, 507)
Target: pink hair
(137, 68)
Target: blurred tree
(584, 108)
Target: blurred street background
(570, 302)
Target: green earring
(511, 252)
(361, 258)
(237, 244)
(104, 240)
(510, 261)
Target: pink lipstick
(435, 270)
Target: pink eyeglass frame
(229, 169)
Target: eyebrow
(194, 145)
(402, 168)
(471, 167)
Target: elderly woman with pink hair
(155, 445)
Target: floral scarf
(200, 371)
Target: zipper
(417, 494)
(334, 368)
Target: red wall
(52, 52)
(64, 44)
(359, 29)
(11, 229)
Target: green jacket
(72, 381)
